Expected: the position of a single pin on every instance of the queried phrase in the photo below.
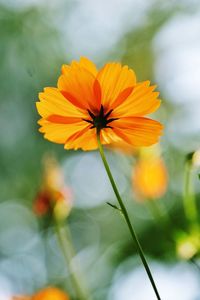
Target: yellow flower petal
(84, 63)
(59, 133)
(53, 102)
(141, 101)
(114, 79)
(138, 131)
(85, 140)
(76, 84)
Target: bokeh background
(160, 40)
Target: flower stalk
(155, 209)
(188, 195)
(126, 216)
(64, 240)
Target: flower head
(150, 174)
(109, 102)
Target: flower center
(101, 120)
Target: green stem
(160, 218)
(188, 197)
(155, 210)
(64, 239)
(125, 214)
(193, 261)
(159, 213)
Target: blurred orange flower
(109, 101)
(49, 293)
(54, 195)
(150, 175)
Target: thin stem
(155, 210)
(125, 214)
(193, 261)
(67, 249)
(160, 219)
(159, 213)
(188, 197)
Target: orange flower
(150, 175)
(50, 293)
(109, 101)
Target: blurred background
(160, 40)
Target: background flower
(49, 293)
(54, 195)
(149, 175)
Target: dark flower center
(101, 120)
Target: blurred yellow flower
(196, 158)
(54, 195)
(108, 101)
(188, 245)
(149, 175)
